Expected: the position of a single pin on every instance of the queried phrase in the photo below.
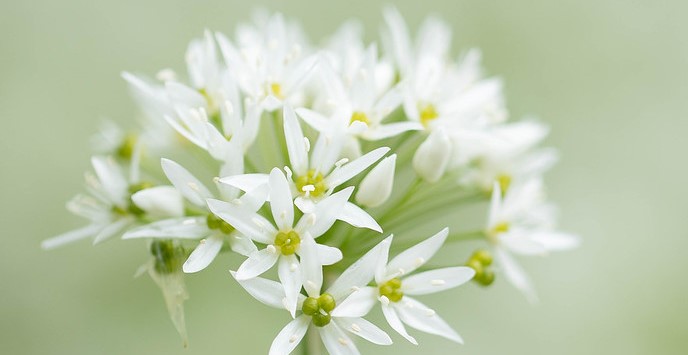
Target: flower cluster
(305, 160)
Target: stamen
(193, 186)
(307, 143)
(355, 327)
(430, 313)
(343, 341)
(341, 162)
(293, 267)
(293, 338)
(419, 261)
(271, 248)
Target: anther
(193, 186)
(307, 143)
(355, 328)
(343, 341)
(293, 267)
(271, 248)
(419, 261)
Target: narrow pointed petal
(311, 265)
(290, 336)
(267, 292)
(325, 213)
(419, 316)
(416, 256)
(328, 255)
(336, 341)
(289, 272)
(111, 178)
(296, 145)
(437, 280)
(71, 236)
(358, 217)
(203, 255)
(248, 223)
(181, 228)
(187, 184)
(365, 330)
(349, 170)
(314, 119)
(556, 241)
(360, 273)
(391, 130)
(281, 202)
(515, 274)
(358, 304)
(256, 264)
(241, 244)
(246, 182)
(393, 319)
(111, 230)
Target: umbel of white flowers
(305, 159)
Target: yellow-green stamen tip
(392, 290)
(313, 179)
(276, 89)
(288, 242)
(480, 262)
(504, 182)
(360, 117)
(427, 113)
(319, 309)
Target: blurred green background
(609, 76)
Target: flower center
(360, 117)
(288, 242)
(126, 148)
(504, 182)
(131, 208)
(427, 113)
(216, 223)
(276, 89)
(480, 261)
(313, 183)
(319, 309)
(392, 290)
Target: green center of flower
(315, 186)
(427, 113)
(319, 309)
(167, 257)
(480, 261)
(276, 89)
(126, 148)
(216, 223)
(392, 290)
(360, 117)
(288, 242)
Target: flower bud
(432, 157)
(377, 186)
(160, 201)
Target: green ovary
(319, 309)
(392, 290)
(288, 242)
(215, 222)
(314, 179)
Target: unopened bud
(432, 157)
(377, 186)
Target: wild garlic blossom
(276, 154)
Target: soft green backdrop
(609, 76)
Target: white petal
(111, 230)
(281, 202)
(519, 241)
(336, 341)
(111, 178)
(377, 186)
(437, 280)
(290, 336)
(361, 272)
(556, 241)
(391, 130)
(296, 146)
(182, 228)
(325, 213)
(328, 255)
(349, 170)
(432, 157)
(186, 183)
(241, 245)
(358, 304)
(203, 255)
(71, 236)
(246, 182)
(393, 319)
(314, 119)
(268, 292)
(160, 201)
(365, 330)
(419, 316)
(311, 265)
(248, 223)
(515, 274)
(495, 205)
(257, 263)
(416, 256)
(358, 218)
(289, 271)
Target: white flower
(284, 239)
(523, 223)
(209, 229)
(325, 311)
(269, 64)
(395, 285)
(115, 202)
(314, 178)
